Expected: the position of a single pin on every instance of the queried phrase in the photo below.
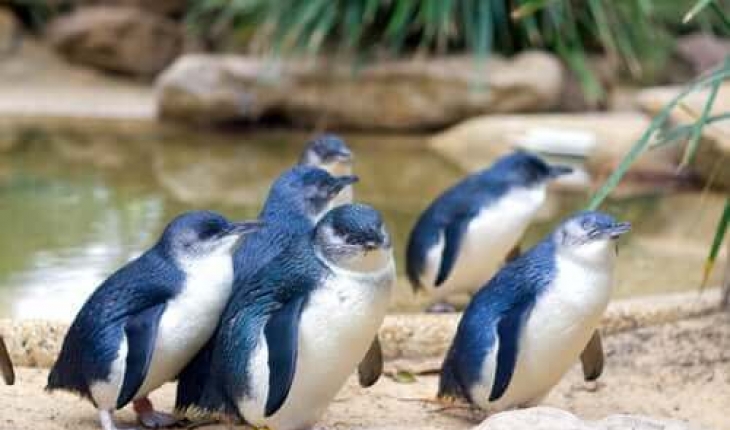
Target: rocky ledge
(397, 95)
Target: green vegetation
(637, 33)
(658, 134)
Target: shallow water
(74, 206)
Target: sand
(679, 370)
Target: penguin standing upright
(297, 200)
(147, 320)
(463, 237)
(285, 349)
(330, 152)
(526, 327)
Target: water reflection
(75, 206)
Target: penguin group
(262, 321)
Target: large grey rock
(9, 31)
(117, 38)
(603, 138)
(395, 95)
(162, 7)
(702, 51)
(544, 418)
(712, 161)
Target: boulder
(9, 31)
(545, 418)
(162, 7)
(398, 95)
(712, 161)
(117, 38)
(603, 139)
(702, 51)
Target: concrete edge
(36, 343)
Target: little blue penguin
(148, 319)
(6, 365)
(526, 327)
(284, 351)
(298, 198)
(330, 152)
(463, 237)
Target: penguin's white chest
(556, 332)
(338, 324)
(490, 236)
(189, 319)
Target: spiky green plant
(635, 32)
(657, 134)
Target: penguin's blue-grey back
(504, 302)
(463, 200)
(287, 275)
(284, 222)
(93, 339)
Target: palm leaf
(722, 227)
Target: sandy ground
(679, 370)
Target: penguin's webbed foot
(150, 418)
(156, 420)
(441, 308)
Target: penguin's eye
(208, 231)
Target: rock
(702, 51)
(9, 31)
(712, 161)
(573, 97)
(161, 7)
(545, 418)
(603, 138)
(117, 38)
(402, 95)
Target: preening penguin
(529, 324)
(284, 351)
(330, 152)
(463, 237)
(147, 320)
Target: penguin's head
(354, 237)
(306, 189)
(589, 236)
(522, 168)
(328, 152)
(200, 234)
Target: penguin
(463, 237)
(6, 365)
(330, 152)
(284, 350)
(527, 326)
(297, 199)
(148, 319)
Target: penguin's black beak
(341, 182)
(243, 228)
(613, 231)
(557, 170)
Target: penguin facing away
(529, 324)
(330, 152)
(462, 238)
(141, 325)
(283, 352)
(298, 198)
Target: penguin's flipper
(453, 234)
(592, 358)
(282, 339)
(371, 366)
(6, 366)
(141, 333)
(508, 333)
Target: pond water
(77, 204)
